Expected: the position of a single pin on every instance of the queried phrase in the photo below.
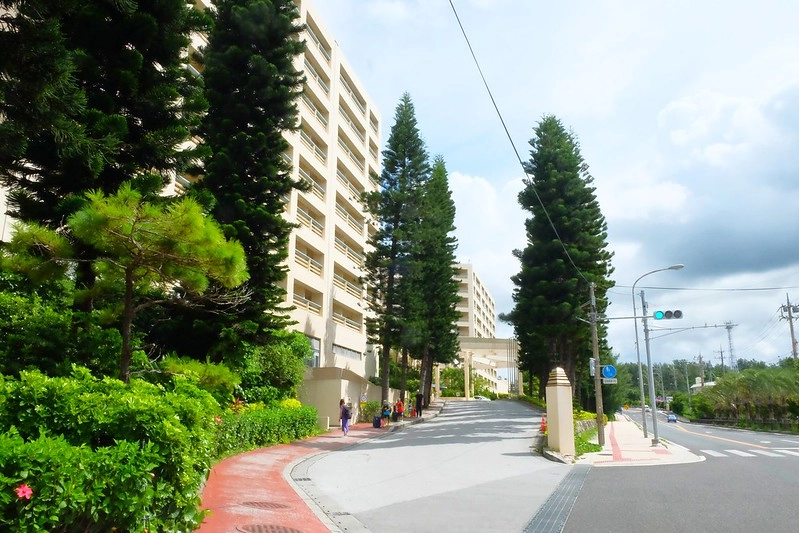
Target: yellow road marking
(722, 438)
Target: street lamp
(637, 349)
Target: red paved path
(247, 493)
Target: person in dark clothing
(419, 398)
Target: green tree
(251, 86)
(115, 100)
(566, 251)
(432, 274)
(146, 254)
(112, 102)
(396, 207)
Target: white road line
(789, 452)
(713, 453)
(791, 441)
(740, 453)
(766, 453)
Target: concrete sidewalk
(250, 493)
(625, 445)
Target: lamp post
(637, 349)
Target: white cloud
(688, 123)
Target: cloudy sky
(687, 114)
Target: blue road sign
(608, 371)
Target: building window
(313, 360)
(346, 352)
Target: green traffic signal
(667, 315)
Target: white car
(482, 399)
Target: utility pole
(652, 397)
(790, 310)
(600, 415)
(721, 357)
(701, 372)
(729, 326)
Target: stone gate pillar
(560, 416)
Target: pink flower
(217, 420)
(24, 491)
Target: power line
(513, 145)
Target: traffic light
(667, 315)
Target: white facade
(476, 306)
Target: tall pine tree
(566, 250)
(396, 207)
(433, 258)
(98, 95)
(252, 87)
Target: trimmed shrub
(73, 488)
(175, 424)
(255, 428)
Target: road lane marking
(740, 453)
(767, 453)
(789, 452)
(720, 438)
(713, 453)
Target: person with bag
(344, 415)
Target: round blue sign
(608, 371)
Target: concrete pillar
(438, 381)
(467, 371)
(560, 417)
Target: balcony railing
(352, 156)
(311, 264)
(355, 256)
(316, 188)
(353, 222)
(320, 154)
(310, 222)
(308, 305)
(338, 318)
(351, 288)
(315, 75)
(318, 114)
(354, 98)
(319, 44)
(354, 193)
(352, 124)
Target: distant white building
(701, 384)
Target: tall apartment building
(336, 150)
(476, 306)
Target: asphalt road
(748, 482)
(470, 469)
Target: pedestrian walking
(386, 412)
(419, 398)
(399, 407)
(344, 415)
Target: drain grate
(302, 479)
(265, 505)
(267, 528)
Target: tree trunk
(404, 381)
(125, 329)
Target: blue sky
(687, 114)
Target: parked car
(482, 399)
(671, 417)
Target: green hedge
(254, 428)
(75, 488)
(99, 453)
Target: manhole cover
(267, 528)
(265, 505)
